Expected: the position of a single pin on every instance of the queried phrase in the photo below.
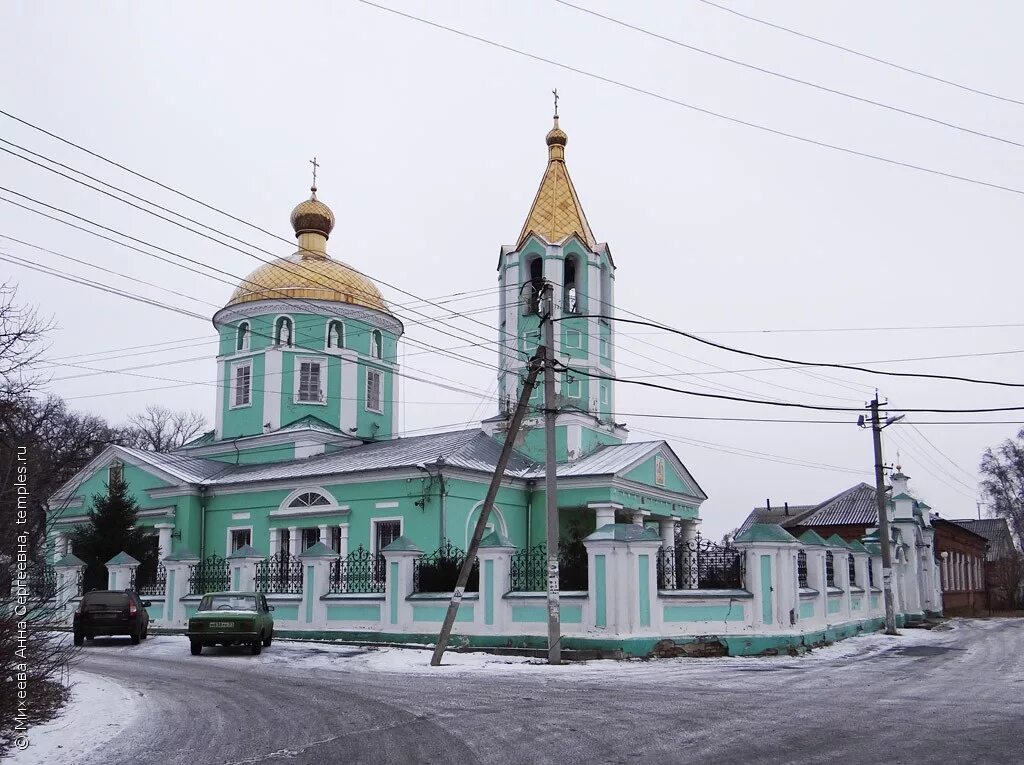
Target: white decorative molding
(327, 308)
(385, 505)
(241, 516)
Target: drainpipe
(529, 510)
(202, 523)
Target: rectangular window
(240, 538)
(373, 398)
(241, 385)
(284, 537)
(572, 389)
(853, 569)
(573, 338)
(336, 538)
(310, 537)
(384, 533)
(604, 394)
(310, 385)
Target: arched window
(535, 288)
(335, 334)
(242, 339)
(377, 344)
(283, 331)
(570, 288)
(309, 499)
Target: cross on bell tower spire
(315, 165)
(555, 94)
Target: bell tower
(557, 246)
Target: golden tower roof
(310, 273)
(556, 213)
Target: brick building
(1004, 569)
(961, 553)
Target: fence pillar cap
(246, 551)
(623, 532)
(318, 550)
(496, 539)
(69, 561)
(183, 555)
(402, 545)
(122, 559)
(837, 541)
(765, 532)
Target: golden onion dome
(312, 216)
(556, 136)
(310, 273)
(300, 277)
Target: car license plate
(222, 625)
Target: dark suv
(111, 612)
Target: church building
(306, 447)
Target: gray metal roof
(187, 469)
(780, 514)
(995, 530)
(855, 506)
(607, 460)
(469, 449)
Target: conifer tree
(112, 528)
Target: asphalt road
(953, 698)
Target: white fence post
(398, 558)
(119, 571)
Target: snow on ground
(326, 656)
(99, 709)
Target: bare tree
(21, 335)
(159, 429)
(1002, 472)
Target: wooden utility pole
(550, 482)
(485, 511)
(883, 519)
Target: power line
(693, 107)
(852, 329)
(286, 264)
(790, 404)
(653, 415)
(876, 59)
(797, 80)
(805, 363)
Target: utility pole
(550, 482)
(883, 516)
(485, 511)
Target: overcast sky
(431, 148)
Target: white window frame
(604, 394)
(574, 390)
(341, 335)
(114, 467)
(230, 531)
(377, 348)
(234, 384)
(245, 339)
(573, 339)
(374, 522)
(380, 391)
(297, 379)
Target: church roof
(556, 213)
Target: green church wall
(593, 439)
(244, 420)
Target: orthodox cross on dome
(555, 94)
(315, 165)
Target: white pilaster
(273, 384)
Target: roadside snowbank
(99, 709)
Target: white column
(272, 548)
(604, 512)
(637, 517)
(343, 529)
(689, 530)
(668, 531)
(164, 540)
(294, 541)
(325, 537)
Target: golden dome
(300, 277)
(556, 136)
(312, 216)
